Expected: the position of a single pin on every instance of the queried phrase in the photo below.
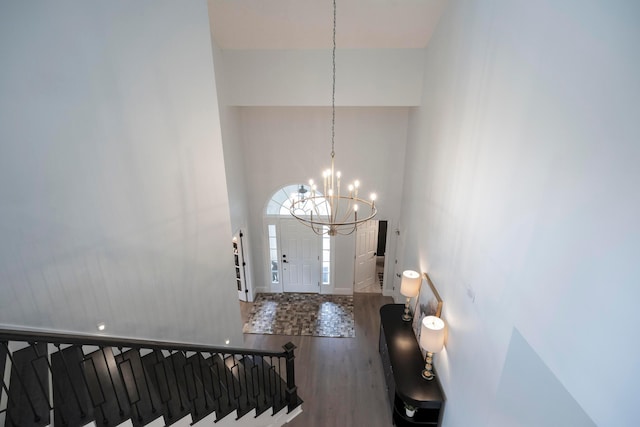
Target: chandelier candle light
(332, 212)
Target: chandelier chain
(328, 210)
(333, 95)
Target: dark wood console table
(403, 364)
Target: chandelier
(332, 212)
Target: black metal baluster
(263, 384)
(213, 385)
(186, 383)
(6, 390)
(237, 366)
(89, 388)
(43, 389)
(266, 375)
(200, 359)
(231, 383)
(237, 385)
(132, 403)
(113, 385)
(270, 375)
(175, 374)
(277, 381)
(166, 381)
(146, 380)
(226, 378)
(281, 378)
(73, 388)
(36, 417)
(276, 369)
(6, 410)
(254, 375)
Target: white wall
(114, 201)
(285, 146)
(364, 77)
(521, 202)
(233, 160)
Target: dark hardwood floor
(340, 379)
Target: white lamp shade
(432, 334)
(410, 285)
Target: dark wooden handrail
(104, 341)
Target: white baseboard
(261, 290)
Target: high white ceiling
(308, 24)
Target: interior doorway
(369, 258)
(381, 252)
(240, 266)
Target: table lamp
(432, 341)
(409, 287)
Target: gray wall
(114, 201)
(521, 202)
(302, 77)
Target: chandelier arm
(349, 209)
(346, 214)
(328, 222)
(334, 210)
(350, 232)
(315, 209)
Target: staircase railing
(78, 379)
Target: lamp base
(427, 372)
(428, 375)
(407, 313)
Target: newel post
(292, 389)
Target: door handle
(285, 261)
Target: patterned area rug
(302, 314)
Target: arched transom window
(280, 203)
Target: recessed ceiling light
(101, 326)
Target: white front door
(365, 264)
(299, 257)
